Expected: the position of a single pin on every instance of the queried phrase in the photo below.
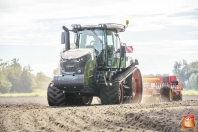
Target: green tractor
(98, 66)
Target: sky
(160, 31)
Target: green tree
(13, 75)
(193, 81)
(5, 86)
(27, 82)
(42, 81)
(179, 70)
(15, 78)
(21, 78)
(186, 72)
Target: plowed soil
(32, 114)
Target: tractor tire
(55, 96)
(116, 93)
(166, 94)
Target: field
(33, 114)
(190, 92)
(35, 93)
(42, 93)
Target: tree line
(15, 78)
(187, 73)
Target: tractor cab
(105, 41)
(98, 36)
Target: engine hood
(76, 53)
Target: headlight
(79, 70)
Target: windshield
(91, 39)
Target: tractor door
(113, 45)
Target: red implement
(166, 85)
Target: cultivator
(164, 88)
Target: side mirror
(136, 62)
(122, 51)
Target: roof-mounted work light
(102, 25)
(127, 22)
(76, 26)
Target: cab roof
(109, 26)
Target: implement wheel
(166, 94)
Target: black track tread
(55, 96)
(125, 73)
(109, 95)
(164, 92)
(113, 93)
(104, 95)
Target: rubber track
(104, 94)
(113, 93)
(110, 95)
(119, 77)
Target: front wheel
(55, 96)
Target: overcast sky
(161, 32)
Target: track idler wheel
(166, 94)
(136, 87)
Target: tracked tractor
(98, 66)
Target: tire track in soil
(125, 117)
(59, 121)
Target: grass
(35, 93)
(190, 92)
